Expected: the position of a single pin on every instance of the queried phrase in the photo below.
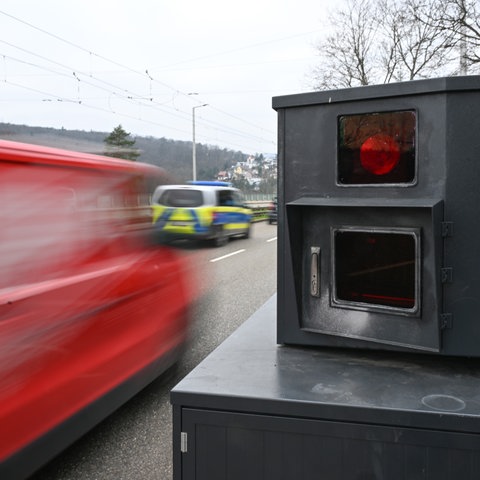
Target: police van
(201, 210)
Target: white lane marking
(272, 239)
(226, 256)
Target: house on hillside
(223, 176)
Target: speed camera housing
(378, 217)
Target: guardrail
(260, 209)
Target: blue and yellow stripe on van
(187, 221)
(231, 218)
(199, 222)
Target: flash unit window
(376, 148)
(377, 269)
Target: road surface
(135, 442)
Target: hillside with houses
(257, 173)
(251, 173)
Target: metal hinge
(183, 442)
(446, 320)
(446, 274)
(447, 229)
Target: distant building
(223, 175)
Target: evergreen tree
(119, 145)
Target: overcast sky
(92, 65)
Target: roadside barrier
(259, 209)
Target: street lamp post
(194, 160)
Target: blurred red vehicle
(90, 311)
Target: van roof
(197, 187)
(27, 153)
(212, 183)
(209, 189)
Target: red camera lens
(379, 154)
(377, 148)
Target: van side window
(225, 198)
(182, 198)
(238, 200)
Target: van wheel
(247, 233)
(220, 238)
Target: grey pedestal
(256, 410)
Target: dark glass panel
(377, 268)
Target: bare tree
(383, 41)
(346, 54)
(459, 21)
(411, 49)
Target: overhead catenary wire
(118, 92)
(121, 94)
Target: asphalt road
(135, 442)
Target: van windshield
(181, 198)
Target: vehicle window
(181, 198)
(238, 199)
(226, 198)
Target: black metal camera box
(378, 217)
